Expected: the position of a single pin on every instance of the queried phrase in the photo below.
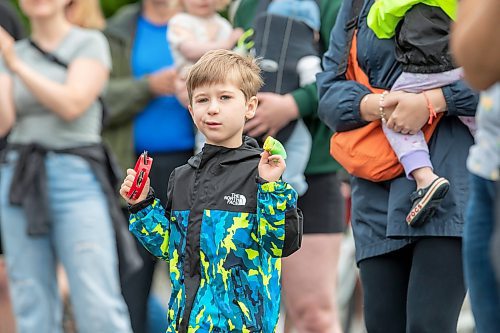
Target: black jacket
(222, 224)
(422, 40)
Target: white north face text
(235, 199)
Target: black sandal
(425, 200)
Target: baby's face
(220, 111)
(201, 8)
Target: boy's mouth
(213, 124)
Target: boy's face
(219, 111)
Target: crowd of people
(245, 231)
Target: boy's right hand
(127, 184)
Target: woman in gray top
(52, 202)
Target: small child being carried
(421, 33)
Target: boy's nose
(213, 108)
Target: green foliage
(109, 7)
(23, 18)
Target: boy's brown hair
(219, 66)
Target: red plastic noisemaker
(142, 168)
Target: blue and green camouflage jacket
(223, 233)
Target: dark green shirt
(306, 97)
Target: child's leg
(470, 122)
(416, 82)
(413, 153)
(298, 149)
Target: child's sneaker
(425, 200)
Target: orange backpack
(365, 152)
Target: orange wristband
(430, 107)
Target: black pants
(136, 288)
(417, 289)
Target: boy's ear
(252, 104)
(190, 109)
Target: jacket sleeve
(125, 95)
(151, 226)
(307, 100)
(461, 99)
(306, 97)
(339, 98)
(150, 223)
(280, 221)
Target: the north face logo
(235, 199)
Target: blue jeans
(298, 149)
(81, 239)
(479, 276)
(157, 320)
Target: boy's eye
(224, 97)
(202, 100)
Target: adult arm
(475, 41)
(182, 37)
(339, 98)
(125, 97)
(343, 105)
(276, 111)
(412, 111)
(7, 111)
(193, 49)
(85, 80)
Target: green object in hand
(274, 147)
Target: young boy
(229, 217)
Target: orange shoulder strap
(354, 72)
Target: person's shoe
(425, 200)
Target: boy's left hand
(271, 167)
